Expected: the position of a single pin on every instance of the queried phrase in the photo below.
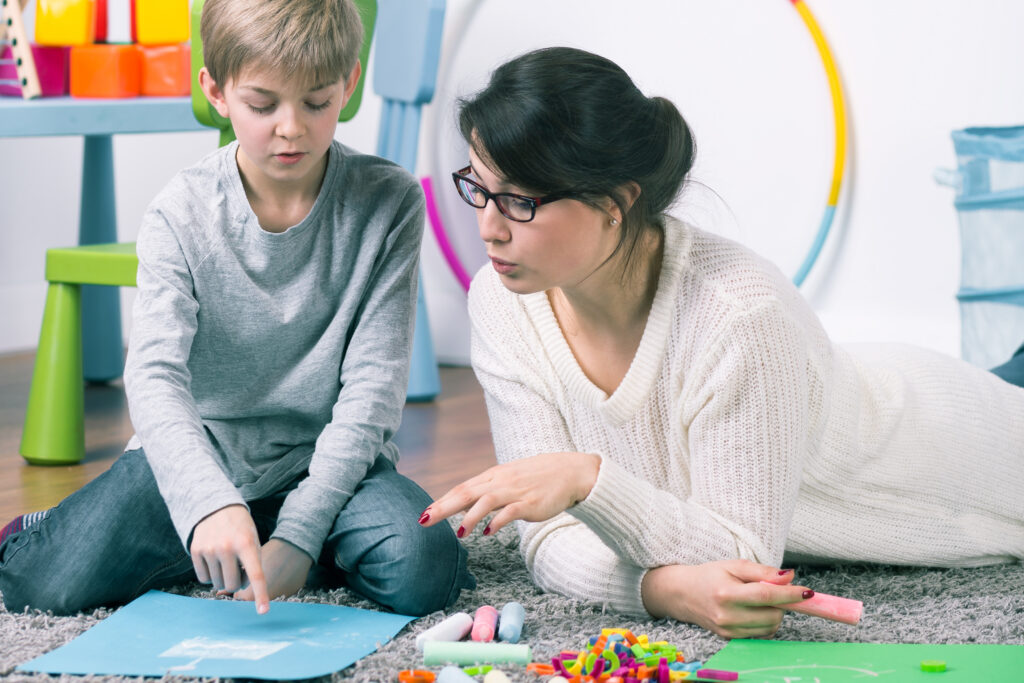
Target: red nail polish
(487, 530)
(807, 594)
(461, 532)
(783, 572)
(424, 518)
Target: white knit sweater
(740, 430)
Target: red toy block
(161, 22)
(65, 22)
(51, 67)
(166, 70)
(101, 21)
(105, 71)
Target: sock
(21, 522)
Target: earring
(615, 221)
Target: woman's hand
(534, 489)
(286, 568)
(725, 597)
(223, 544)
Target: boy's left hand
(285, 567)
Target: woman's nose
(493, 225)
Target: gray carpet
(901, 605)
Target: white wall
(747, 77)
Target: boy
(268, 358)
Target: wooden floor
(441, 442)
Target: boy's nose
(290, 125)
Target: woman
(669, 416)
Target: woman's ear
(214, 93)
(628, 193)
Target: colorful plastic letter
(161, 22)
(166, 70)
(51, 67)
(105, 71)
(65, 22)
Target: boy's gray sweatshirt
(255, 355)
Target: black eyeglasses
(515, 207)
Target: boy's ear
(352, 81)
(213, 92)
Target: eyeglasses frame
(534, 202)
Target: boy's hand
(725, 597)
(286, 569)
(224, 544)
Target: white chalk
(451, 629)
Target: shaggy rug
(901, 605)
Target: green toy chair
(54, 428)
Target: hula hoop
(839, 161)
(838, 165)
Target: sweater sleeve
(158, 382)
(562, 554)
(747, 421)
(374, 382)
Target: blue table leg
(102, 345)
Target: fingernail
(487, 530)
(807, 594)
(461, 532)
(783, 572)
(424, 518)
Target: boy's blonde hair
(315, 40)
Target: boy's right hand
(224, 544)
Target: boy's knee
(418, 570)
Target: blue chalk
(510, 623)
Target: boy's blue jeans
(113, 540)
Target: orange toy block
(161, 22)
(65, 22)
(166, 70)
(105, 71)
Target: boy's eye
(318, 107)
(262, 110)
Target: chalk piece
(717, 675)
(510, 624)
(453, 628)
(453, 674)
(416, 676)
(558, 679)
(440, 652)
(485, 623)
(496, 676)
(843, 610)
(933, 665)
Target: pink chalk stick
(485, 623)
(832, 607)
(717, 675)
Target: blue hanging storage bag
(990, 207)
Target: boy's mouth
(289, 157)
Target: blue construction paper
(161, 633)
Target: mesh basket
(990, 207)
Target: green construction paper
(780, 661)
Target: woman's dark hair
(565, 120)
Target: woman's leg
(384, 554)
(1012, 371)
(105, 544)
